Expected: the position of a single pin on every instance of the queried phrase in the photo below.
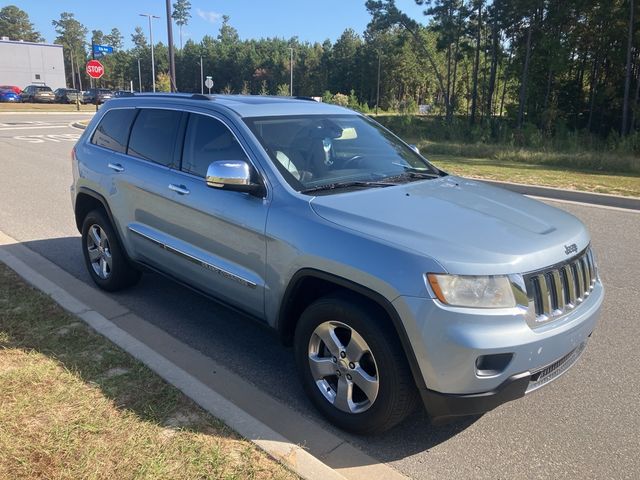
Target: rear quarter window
(113, 130)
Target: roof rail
(195, 96)
(300, 97)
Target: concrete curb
(272, 426)
(627, 203)
(78, 125)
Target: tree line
(552, 65)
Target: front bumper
(448, 342)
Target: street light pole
(139, 77)
(172, 62)
(153, 63)
(291, 69)
(201, 77)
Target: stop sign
(95, 69)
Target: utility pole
(153, 62)
(73, 72)
(291, 70)
(139, 77)
(172, 60)
(378, 85)
(201, 77)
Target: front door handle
(181, 189)
(117, 167)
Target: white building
(26, 63)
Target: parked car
(392, 279)
(68, 95)
(37, 94)
(9, 96)
(102, 95)
(14, 88)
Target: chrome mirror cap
(226, 173)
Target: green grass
(73, 405)
(536, 174)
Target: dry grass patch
(76, 406)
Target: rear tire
(343, 344)
(104, 256)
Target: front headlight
(492, 291)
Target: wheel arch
(87, 200)
(308, 285)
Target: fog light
(491, 365)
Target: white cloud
(212, 17)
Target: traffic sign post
(95, 70)
(208, 83)
(99, 50)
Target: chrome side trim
(198, 261)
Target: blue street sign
(102, 49)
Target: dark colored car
(122, 93)
(13, 88)
(38, 94)
(9, 96)
(68, 95)
(101, 94)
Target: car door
(213, 239)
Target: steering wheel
(349, 162)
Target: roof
(38, 44)
(246, 105)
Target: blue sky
(309, 20)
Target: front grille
(556, 290)
(544, 375)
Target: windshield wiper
(418, 172)
(333, 186)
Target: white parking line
(34, 127)
(54, 137)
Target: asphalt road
(584, 425)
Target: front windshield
(315, 152)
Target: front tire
(352, 365)
(104, 256)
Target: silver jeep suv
(393, 280)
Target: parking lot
(584, 425)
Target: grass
(76, 406)
(536, 174)
(44, 107)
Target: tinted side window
(113, 131)
(208, 140)
(154, 135)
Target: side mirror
(232, 175)
(415, 149)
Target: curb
(323, 455)
(603, 199)
(78, 125)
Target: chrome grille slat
(571, 284)
(577, 267)
(556, 290)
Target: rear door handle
(181, 189)
(116, 166)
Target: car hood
(466, 226)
